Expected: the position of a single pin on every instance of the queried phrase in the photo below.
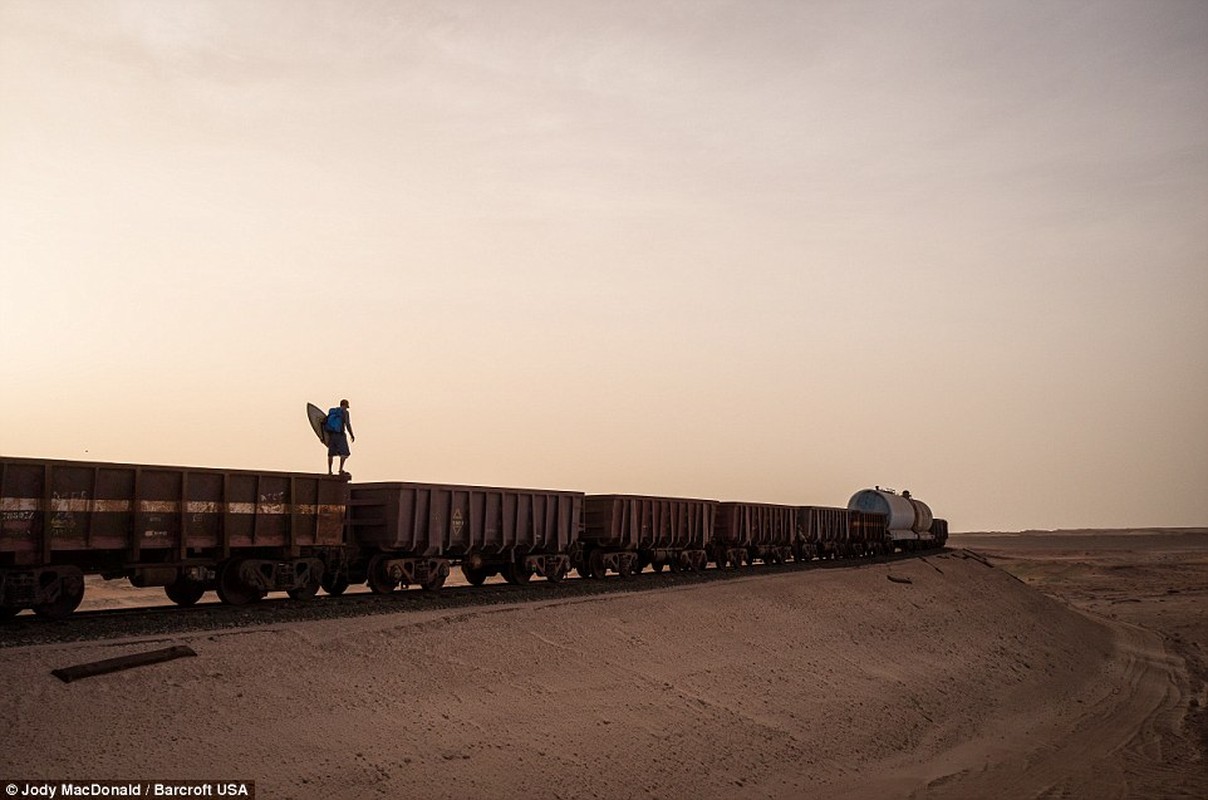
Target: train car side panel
(438, 519)
(624, 533)
(745, 532)
(52, 506)
(411, 533)
(161, 526)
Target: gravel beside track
(26, 629)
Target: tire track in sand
(1113, 739)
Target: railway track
(26, 629)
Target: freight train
(244, 534)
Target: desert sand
(954, 679)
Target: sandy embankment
(837, 683)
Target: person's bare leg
(329, 460)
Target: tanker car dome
(904, 512)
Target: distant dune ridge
(1097, 532)
(963, 683)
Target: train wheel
(71, 592)
(557, 575)
(8, 612)
(475, 577)
(307, 590)
(185, 592)
(596, 561)
(516, 574)
(657, 566)
(434, 582)
(333, 583)
(231, 588)
(378, 577)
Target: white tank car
(909, 519)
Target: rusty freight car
(826, 532)
(187, 529)
(869, 533)
(744, 532)
(625, 533)
(939, 531)
(411, 533)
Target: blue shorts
(337, 444)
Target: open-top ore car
(241, 533)
(746, 532)
(625, 533)
(411, 533)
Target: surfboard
(317, 417)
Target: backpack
(335, 421)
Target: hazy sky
(773, 251)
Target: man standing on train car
(337, 423)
